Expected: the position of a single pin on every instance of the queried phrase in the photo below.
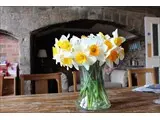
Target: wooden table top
(122, 100)
(9, 77)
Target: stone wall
(20, 21)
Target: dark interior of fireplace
(44, 38)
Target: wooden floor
(122, 100)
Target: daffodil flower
(117, 40)
(56, 54)
(106, 40)
(63, 43)
(103, 37)
(98, 51)
(121, 53)
(82, 57)
(112, 56)
(75, 41)
(66, 59)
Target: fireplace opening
(42, 40)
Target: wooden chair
(41, 82)
(140, 74)
(1, 84)
(75, 80)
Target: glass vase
(92, 95)
(157, 101)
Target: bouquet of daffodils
(85, 51)
(90, 54)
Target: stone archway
(44, 38)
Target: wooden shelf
(140, 66)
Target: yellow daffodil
(80, 58)
(108, 44)
(66, 61)
(83, 36)
(94, 50)
(63, 43)
(55, 51)
(117, 40)
(56, 54)
(112, 57)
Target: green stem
(92, 88)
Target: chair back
(1, 84)
(140, 75)
(41, 81)
(76, 77)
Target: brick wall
(9, 48)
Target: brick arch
(9, 47)
(8, 33)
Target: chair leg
(74, 81)
(59, 86)
(1, 84)
(129, 79)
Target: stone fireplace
(25, 22)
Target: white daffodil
(121, 53)
(66, 59)
(75, 40)
(106, 40)
(112, 57)
(86, 41)
(96, 48)
(117, 40)
(107, 37)
(82, 57)
(103, 37)
(97, 51)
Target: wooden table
(122, 100)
